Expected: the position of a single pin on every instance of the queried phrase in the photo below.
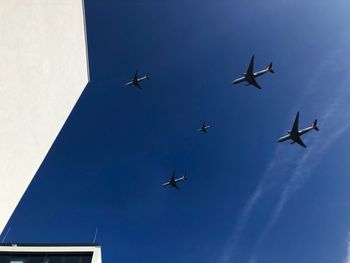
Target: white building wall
(43, 71)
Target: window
(18, 260)
(54, 259)
(36, 258)
(4, 258)
(86, 259)
(72, 259)
(46, 257)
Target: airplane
(173, 181)
(205, 127)
(136, 80)
(294, 134)
(250, 76)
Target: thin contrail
(95, 236)
(312, 158)
(277, 164)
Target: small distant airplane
(136, 80)
(205, 127)
(294, 134)
(250, 76)
(173, 181)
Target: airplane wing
(166, 184)
(284, 138)
(137, 85)
(135, 76)
(255, 84)
(250, 70)
(239, 80)
(204, 127)
(300, 142)
(173, 176)
(179, 179)
(296, 123)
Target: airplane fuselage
(261, 72)
(173, 182)
(204, 128)
(143, 78)
(291, 136)
(294, 135)
(136, 81)
(249, 77)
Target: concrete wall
(43, 71)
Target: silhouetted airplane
(205, 127)
(173, 181)
(250, 76)
(136, 81)
(294, 134)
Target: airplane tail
(270, 68)
(314, 125)
(147, 76)
(185, 177)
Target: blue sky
(247, 199)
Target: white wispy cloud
(334, 120)
(332, 115)
(347, 258)
(307, 163)
(265, 183)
